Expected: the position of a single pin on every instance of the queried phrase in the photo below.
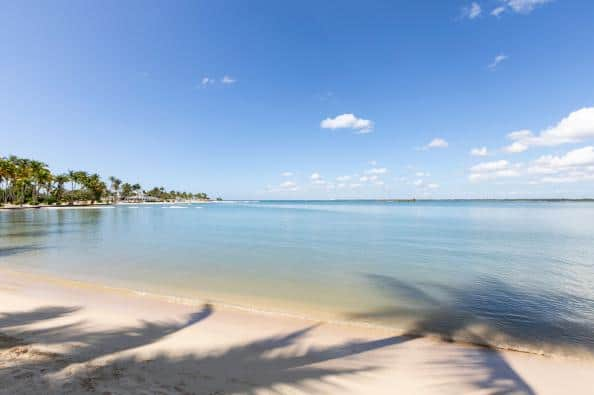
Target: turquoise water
(510, 274)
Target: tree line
(26, 181)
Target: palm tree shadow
(274, 363)
(451, 314)
(98, 363)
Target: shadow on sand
(487, 312)
(276, 363)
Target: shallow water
(510, 274)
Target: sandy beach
(63, 337)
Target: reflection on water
(508, 273)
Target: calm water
(511, 274)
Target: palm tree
(39, 174)
(95, 186)
(23, 177)
(80, 178)
(4, 177)
(60, 180)
(71, 177)
(136, 188)
(126, 190)
(23, 180)
(115, 187)
(10, 173)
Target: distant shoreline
(95, 205)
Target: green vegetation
(26, 181)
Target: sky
(306, 99)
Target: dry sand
(63, 337)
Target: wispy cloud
(472, 11)
(228, 80)
(436, 143)
(524, 6)
(287, 174)
(422, 184)
(517, 6)
(291, 185)
(482, 151)
(377, 170)
(286, 186)
(498, 59)
(492, 170)
(207, 81)
(348, 121)
(498, 11)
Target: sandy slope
(59, 337)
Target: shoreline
(82, 338)
(271, 312)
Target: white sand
(61, 337)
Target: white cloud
(567, 179)
(422, 174)
(348, 121)
(498, 11)
(578, 157)
(498, 59)
(493, 175)
(377, 170)
(436, 143)
(472, 11)
(343, 178)
(372, 162)
(421, 184)
(287, 186)
(482, 151)
(577, 126)
(490, 166)
(354, 186)
(287, 174)
(492, 170)
(524, 6)
(575, 165)
(515, 148)
(316, 179)
(228, 80)
(207, 81)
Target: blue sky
(308, 99)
